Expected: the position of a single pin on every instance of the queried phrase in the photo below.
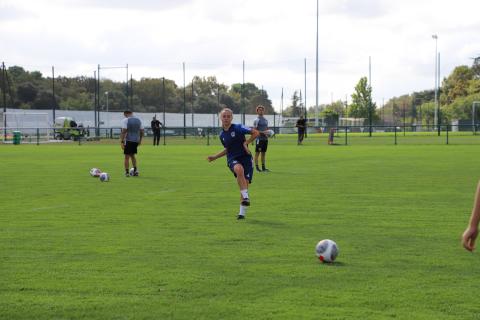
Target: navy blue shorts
(247, 163)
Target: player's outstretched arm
(216, 156)
(253, 135)
(470, 235)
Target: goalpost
(33, 127)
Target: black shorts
(261, 146)
(130, 147)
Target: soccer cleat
(240, 217)
(258, 169)
(135, 174)
(127, 174)
(265, 170)
(245, 202)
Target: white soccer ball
(270, 133)
(95, 172)
(132, 172)
(327, 250)
(104, 177)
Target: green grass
(166, 245)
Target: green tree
(295, 108)
(362, 105)
(461, 108)
(476, 67)
(251, 96)
(27, 92)
(456, 84)
(428, 113)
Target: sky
(273, 40)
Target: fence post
(447, 133)
(164, 135)
(395, 129)
(346, 133)
(38, 136)
(208, 136)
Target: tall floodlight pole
(218, 106)
(95, 101)
(184, 105)
(97, 108)
(316, 76)
(108, 121)
(193, 94)
(131, 92)
(370, 113)
(126, 87)
(54, 102)
(163, 100)
(435, 121)
(4, 96)
(439, 116)
(281, 110)
(305, 93)
(243, 91)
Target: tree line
(31, 90)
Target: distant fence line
(339, 135)
(112, 119)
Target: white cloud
(213, 37)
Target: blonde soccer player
(239, 158)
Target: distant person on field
(470, 235)
(156, 128)
(130, 138)
(301, 127)
(239, 158)
(261, 144)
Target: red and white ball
(327, 250)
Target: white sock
(243, 210)
(244, 193)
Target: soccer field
(166, 245)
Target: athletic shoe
(240, 217)
(265, 170)
(135, 174)
(127, 174)
(258, 169)
(245, 202)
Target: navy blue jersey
(233, 140)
